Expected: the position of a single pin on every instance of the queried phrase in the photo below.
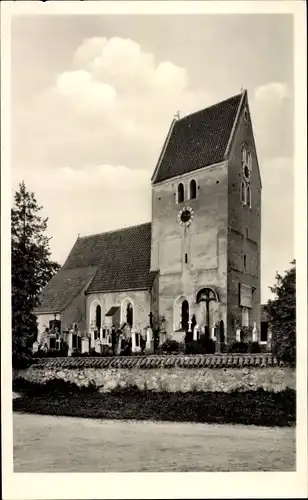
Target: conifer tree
(32, 268)
(282, 311)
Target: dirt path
(64, 444)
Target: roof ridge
(209, 107)
(115, 230)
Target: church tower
(206, 229)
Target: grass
(250, 408)
(63, 444)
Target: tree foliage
(32, 268)
(282, 311)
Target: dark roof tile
(122, 257)
(112, 261)
(63, 288)
(198, 140)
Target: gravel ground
(64, 444)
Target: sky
(93, 98)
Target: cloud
(273, 92)
(272, 113)
(277, 250)
(84, 93)
(113, 106)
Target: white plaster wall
(43, 321)
(140, 300)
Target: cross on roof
(177, 115)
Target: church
(194, 266)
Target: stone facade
(244, 229)
(174, 373)
(204, 242)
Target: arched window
(249, 160)
(180, 193)
(184, 315)
(248, 198)
(244, 153)
(193, 189)
(129, 314)
(245, 262)
(180, 313)
(243, 192)
(98, 316)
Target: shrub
(78, 354)
(204, 345)
(238, 347)
(250, 408)
(54, 353)
(52, 387)
(106, 351)
(254, 348)
(282, 314)
(193, 347)
(170, 346)
(207, 343)
(246, 333)
(93, 353)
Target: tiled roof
(123, 256)
(63, 288)
(111, 261)
(198, 140)
(147, 362)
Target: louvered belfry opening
(192, 189)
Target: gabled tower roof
(197, 140)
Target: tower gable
(197, 140)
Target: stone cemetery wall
(222, 373)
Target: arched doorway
(129, 314)
(184, 315)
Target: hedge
(251, 408)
